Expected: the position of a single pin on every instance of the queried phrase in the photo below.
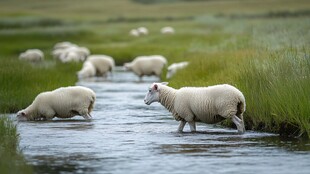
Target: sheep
(88, 70)
(173, 68)
(74, 53)
(167, 30)
(200, 104)
(68, 52)
(143, 31)
(33, 55)
(64, 45)
(64, 102)
(134, 32)
(147, 65)
(102, 63)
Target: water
(127, 136)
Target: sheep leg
(181, 126)
(239, 124)
(192, 126)
(86, 115)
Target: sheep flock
(188, 104)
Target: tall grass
(22, 81)
(11, 159)
(277, 92)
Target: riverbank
(263, 51)
(12, 160)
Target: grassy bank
(12, 161)
(262, 47)
(277, 91)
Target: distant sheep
(69, 52)
(32, 55)
(73, 54)
(200, 104)
(64, 45)
(102, 63)
(147, 65)
(143, 31)
(173, 68)
(167, 30)
(134, 32)
(88, 70)
(64, 102)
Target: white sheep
(64, 102)
(88, 70)
(71, 54)
(102, 63)
(167, 30)
(173, 68)
(147, 65)
(143, 31)
(64, 45)
(134, 32)
(33, 55)
(200, 104)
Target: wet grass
(12, 161)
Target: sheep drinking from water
(200, 104)
(88, 70)
(64, 102)
(147, 65)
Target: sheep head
(22, 116)
(153, 93)
(127, 67)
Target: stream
(127, 136)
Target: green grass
(12, 161)
(277, 92)
(247, 44)
(20, 85)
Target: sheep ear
(23, 114)
(155, 86)
(165, 83)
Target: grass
(12, 160)
(20, 86)
(280, 101)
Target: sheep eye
(150, 90)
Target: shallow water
(127, 136)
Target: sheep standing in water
(64, 102)
(147, 65)
(200, 104)
(102, 63)
(88, 70)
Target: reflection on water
(127, 136)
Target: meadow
(260, 46)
